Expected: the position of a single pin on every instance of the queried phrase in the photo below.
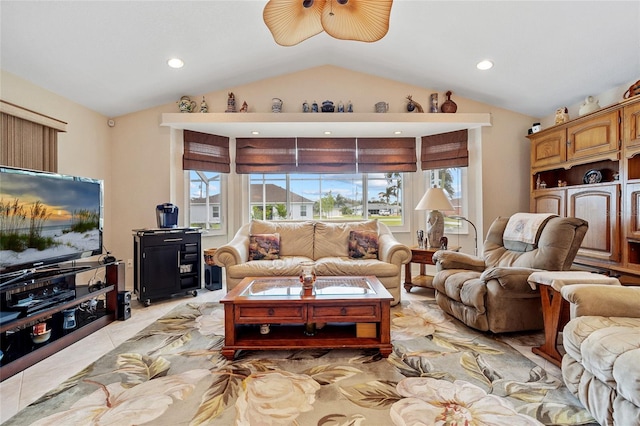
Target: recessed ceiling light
(327, 132)
(484, 65)
(255, 132)
(175, 63)
(397, 132)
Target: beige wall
(141, 161)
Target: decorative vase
(185, 104)
(449, 106)
(204, 108)
(590, 105)
(276, 105)
(433, 100)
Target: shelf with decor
(315, 124)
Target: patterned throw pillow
(363, 245)
(264, 246)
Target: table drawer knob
(343, 311)
(271, 312)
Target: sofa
(491, 293)
(276, 248)
(601, 366)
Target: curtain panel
(206, 152)
(27, 144)
(446, 150)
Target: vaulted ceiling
(110, 56)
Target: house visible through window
(205, 199)
(328, 196)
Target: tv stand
(59, 286)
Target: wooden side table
(422, 256)
(555, 310)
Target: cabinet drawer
(248, 314)
(351, 313)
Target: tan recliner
(492, 293)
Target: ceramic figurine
(448, 106)
(185, 104)
(340, 107)
(314, 107)
(413, 105)
(204, 108)
(305, 107)
(590, 105)
(349, 107)
(231, 103)
(245, 107)
(434, 102)
(562, 115)
(276, 105)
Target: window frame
(223, 205)
(431, 179)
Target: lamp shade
(434, 199)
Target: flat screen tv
(47, 218)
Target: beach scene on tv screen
(45, 217)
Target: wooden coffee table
(349, 312)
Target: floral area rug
(440, 373)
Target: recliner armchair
(492, 293)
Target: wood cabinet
(606, 141)
(596, 135)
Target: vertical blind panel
(28, 145)
(386, 155)
(265, 155)
(326, 155)
(205, 152)
(445, 150)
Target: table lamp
(434, 200)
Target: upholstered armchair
(491, 293)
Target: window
(454, 183)
(205, 199)
(328, 196)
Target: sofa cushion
(332, 239)
(296, 238)
(284, 266)
(609, 349)
(363, 244)
(337, 266)
(264, 246)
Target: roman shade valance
(445, 150)
(265, 155)
(205, 152)
(387, 155)
(326, 155)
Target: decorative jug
(590, 105)
(186, 104)
(382, 107)
(276, 105)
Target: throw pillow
(363, 245)
(264, 246)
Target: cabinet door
(633, 211)
(597, 135)
(631, 135)
(549, 201)
(548, 148)
(599, 205)
(160, 271)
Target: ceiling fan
(293, 21)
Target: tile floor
(27, 386)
